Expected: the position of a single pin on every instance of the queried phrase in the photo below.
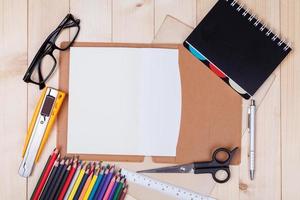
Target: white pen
(251, 113)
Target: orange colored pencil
(85, 187)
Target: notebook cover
(237, 47)
(208, 120)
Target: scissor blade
(186, 168)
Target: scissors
(213, 167)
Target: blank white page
(124, 101)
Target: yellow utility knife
(40, 127)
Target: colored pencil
(81, 184)
(106, 183)
(109, 188)
(97, 183)
(124, 192)
(63, 181)
(111, 195)
(97, 194)
(40, 179)
(72, 182)
(86, 185)
(56, 180)
(93, 181)
(119, 188)
(93, 165)
(44, 176)
(49, 181)
(68, 181)
(77, 182)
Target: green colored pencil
(118, 190)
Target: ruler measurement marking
(163, 187)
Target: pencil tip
(55, 150)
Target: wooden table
(24, 24)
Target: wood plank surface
(290, 98)
(25, 24)
(133, 21)
(95, 19)
(13, 96)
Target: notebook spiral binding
(245, 12)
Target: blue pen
(101, 184)
(98, 181)
(106, 183)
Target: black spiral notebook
(235, 45)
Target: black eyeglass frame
(47, 48)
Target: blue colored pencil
(106, 183)
(101, 184)
(98, 181)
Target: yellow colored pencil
(76, 185)
(93, 181)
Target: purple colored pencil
(106, 182)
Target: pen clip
(248, 120)
(250, 110)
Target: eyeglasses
(44, 63)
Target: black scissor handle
(224, 161)
(214, 173)
(216, 165)
(221, 180)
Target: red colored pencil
(45, 175)
(93, 165)
(124, 192)
(68, 181)
(41, 177)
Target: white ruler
(172, 190)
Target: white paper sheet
(124, 101)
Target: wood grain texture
(95, 17)
(290, 98)
(44, 17)
(13, 96)
(133, 21)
